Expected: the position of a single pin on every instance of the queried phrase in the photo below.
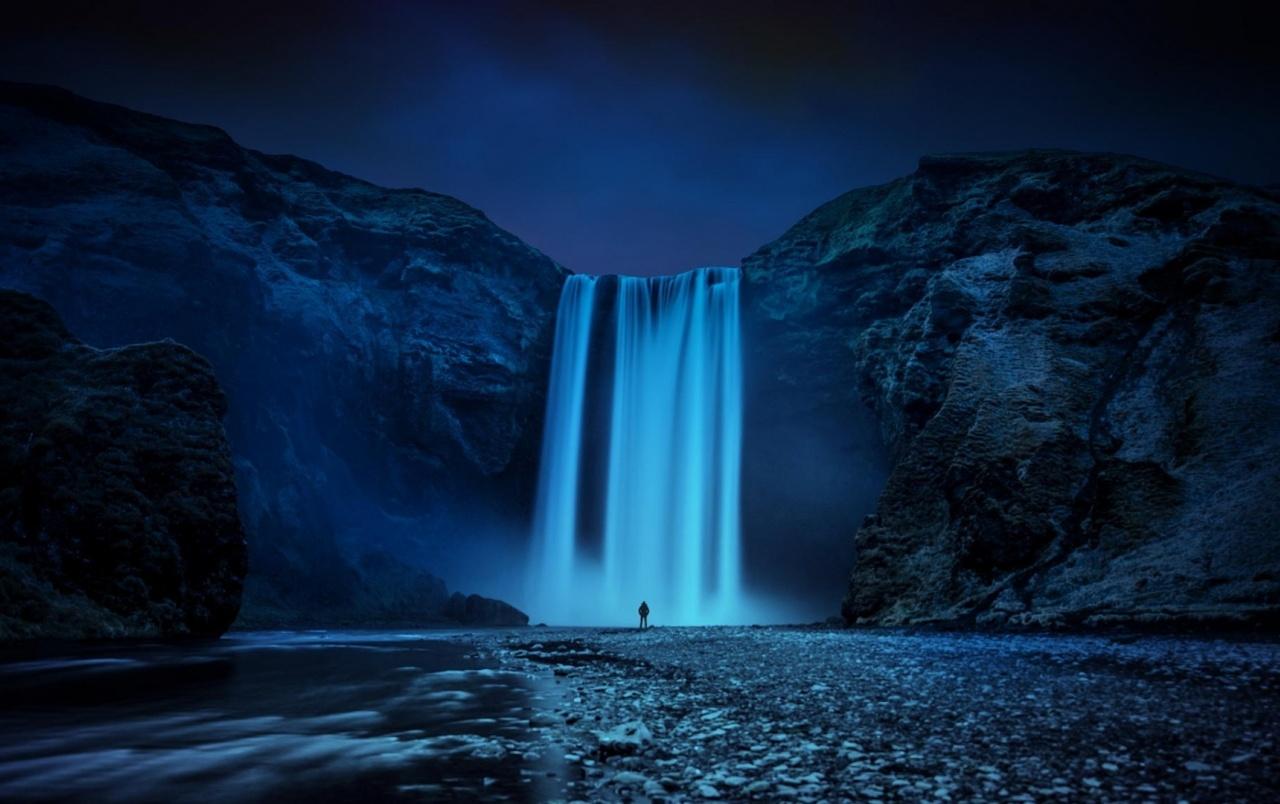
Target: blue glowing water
(670, 501)
(554, 565)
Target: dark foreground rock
(813, 715)
(117, 494)
(384, 351)
(1075, 363)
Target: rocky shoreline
(818, 714)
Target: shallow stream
(261, 716)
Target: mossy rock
(117, 495)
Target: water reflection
(321, 716)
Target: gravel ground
(815, 714)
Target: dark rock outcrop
(117, 493)
(1075, 363)
(477, 610)
(387, 593)
(384, 350)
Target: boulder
(625, 738)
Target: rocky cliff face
(1074, 360)
(117, 493)
(384, 351)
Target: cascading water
(561, 445)
(665, 513)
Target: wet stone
(819, 714)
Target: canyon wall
(1074, 363)
(384, 351)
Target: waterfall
(659, 519)
(556, 511)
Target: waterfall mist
(639, 486)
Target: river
(270, 716)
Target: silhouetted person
(644, 615)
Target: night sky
(650, 137)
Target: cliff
(384, 351)
(1074, 362)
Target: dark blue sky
(654, 137)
